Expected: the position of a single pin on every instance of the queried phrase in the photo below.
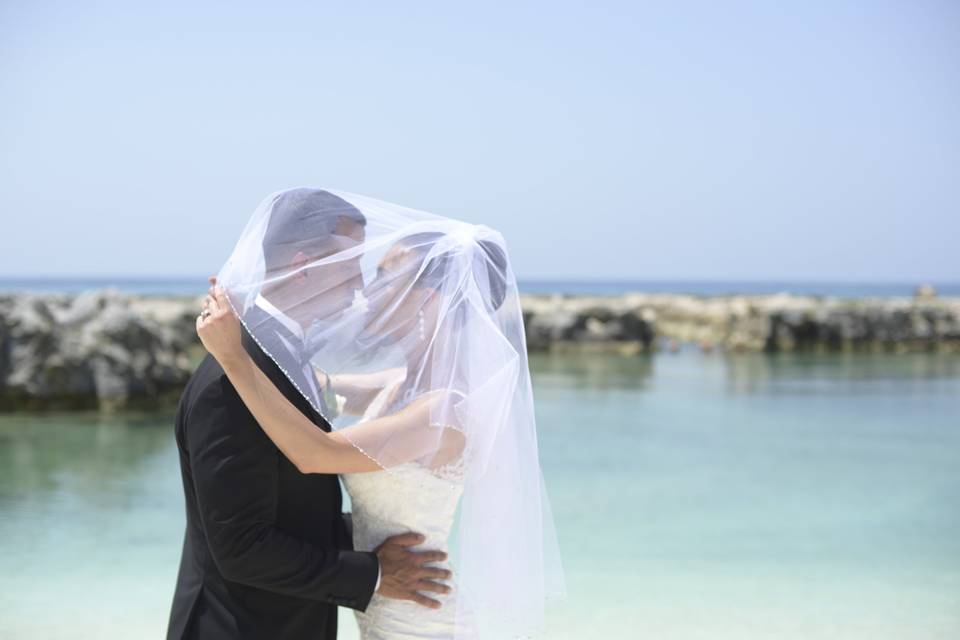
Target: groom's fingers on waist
(424, 600)
(430, 556)
(438, 574)
(430, 585)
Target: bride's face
(397, 309)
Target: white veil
(391, 307)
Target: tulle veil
(388, 306)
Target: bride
(410, 331)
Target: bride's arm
(312, 450)
(360, 389)
(309, 448)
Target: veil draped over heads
(375, 310)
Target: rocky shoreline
(103, 349)
(767, 323)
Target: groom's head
(306, 231)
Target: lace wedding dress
(407, 498)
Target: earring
(423, 331)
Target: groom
(267, 552)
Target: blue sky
(629, 141)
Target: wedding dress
(407, 498)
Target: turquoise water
(697, 496)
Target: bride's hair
(436, 266)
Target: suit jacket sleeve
(235, 471)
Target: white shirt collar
(283, 318)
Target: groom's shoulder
(206, 374)
(212, 413)
(207, 389)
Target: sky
(634, 141)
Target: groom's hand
(404, 574)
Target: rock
(549, 326)
(109, 350)
(89, 350)
(554, 321)
(780, 322)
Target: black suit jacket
(267, 551)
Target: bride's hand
(219, 327)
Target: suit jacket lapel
(268, 331)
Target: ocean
(697, 496)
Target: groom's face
(330, 284)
